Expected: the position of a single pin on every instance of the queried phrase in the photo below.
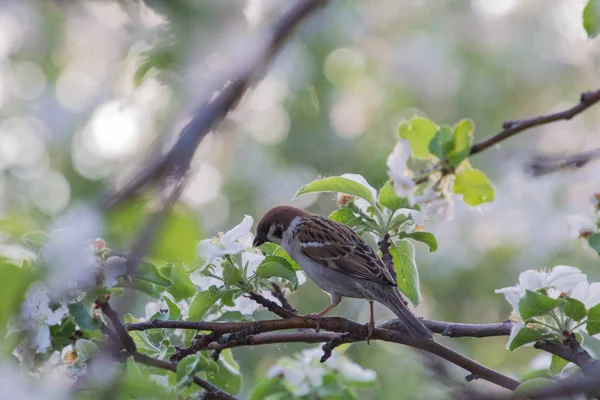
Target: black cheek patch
(278, 232)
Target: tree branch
(511, 128)
(542, 165)
(176, 161)
(331, 324)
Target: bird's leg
(371, 322)
(335, 301)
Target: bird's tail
(397, 304)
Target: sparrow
(339, 261)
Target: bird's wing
(336, 246)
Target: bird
(339, 261)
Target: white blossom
(16, 385)
(237, 239)
(37, 317)
(579, 225)
(398, 172)
(111, 269)
(304, 372)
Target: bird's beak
(257, 241)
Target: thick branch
(572, 351)
(119, 330)
(455, 329)
(170, 366)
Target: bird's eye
(278, 231)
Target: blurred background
(90, 89)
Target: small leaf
(188, 366)
(181, 285)
(594, 241)
(86, 349)
(174, 311)
(202, 302)
(279, 267)
(147, 271)
(337, 184)
(591, 18)
(228, 377)
(425, 237)
(593, 322)
(35, 239)
(346, 216)
(267, 388)
(461, 142)
(418, 131)
(403, 255)
(474, 186)
(442, 142)
(388, 198)
(557, 364)
(231, 274)
(524, 336)
(535, 304)
(82, 317)
(575, 309)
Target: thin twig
(542, 165)
(277, 292)
(511, 128)
(121, 332)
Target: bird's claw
(317, 318)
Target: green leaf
(147, 271)
(159, 58)
(188, 366)
(388, 198)
(591, 18)
(442, 142)
(594, 241)
(425, 237)
(534, 384)
(575, 309)
(535, 304)
(418, 131)
(267, 387)
(35, 239)
(557, 364)
(140, 338)
(403, 255)
(337, 184)
(135, 384)
(593, 321)
(86, 349)
(14, 282)
(61, 334)
(524, 336)
(474, 186)
(82, 317)
(346, 216)
(461, 142)
(181, 285)
(202, 302)
(178, 236)
(228, 377)
(231, 274)
(174, 311)
(276, 250)
(277, 266)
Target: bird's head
(275, 222)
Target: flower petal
(238, 231)
(565, 278)
(533, 280)
(513, 295)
